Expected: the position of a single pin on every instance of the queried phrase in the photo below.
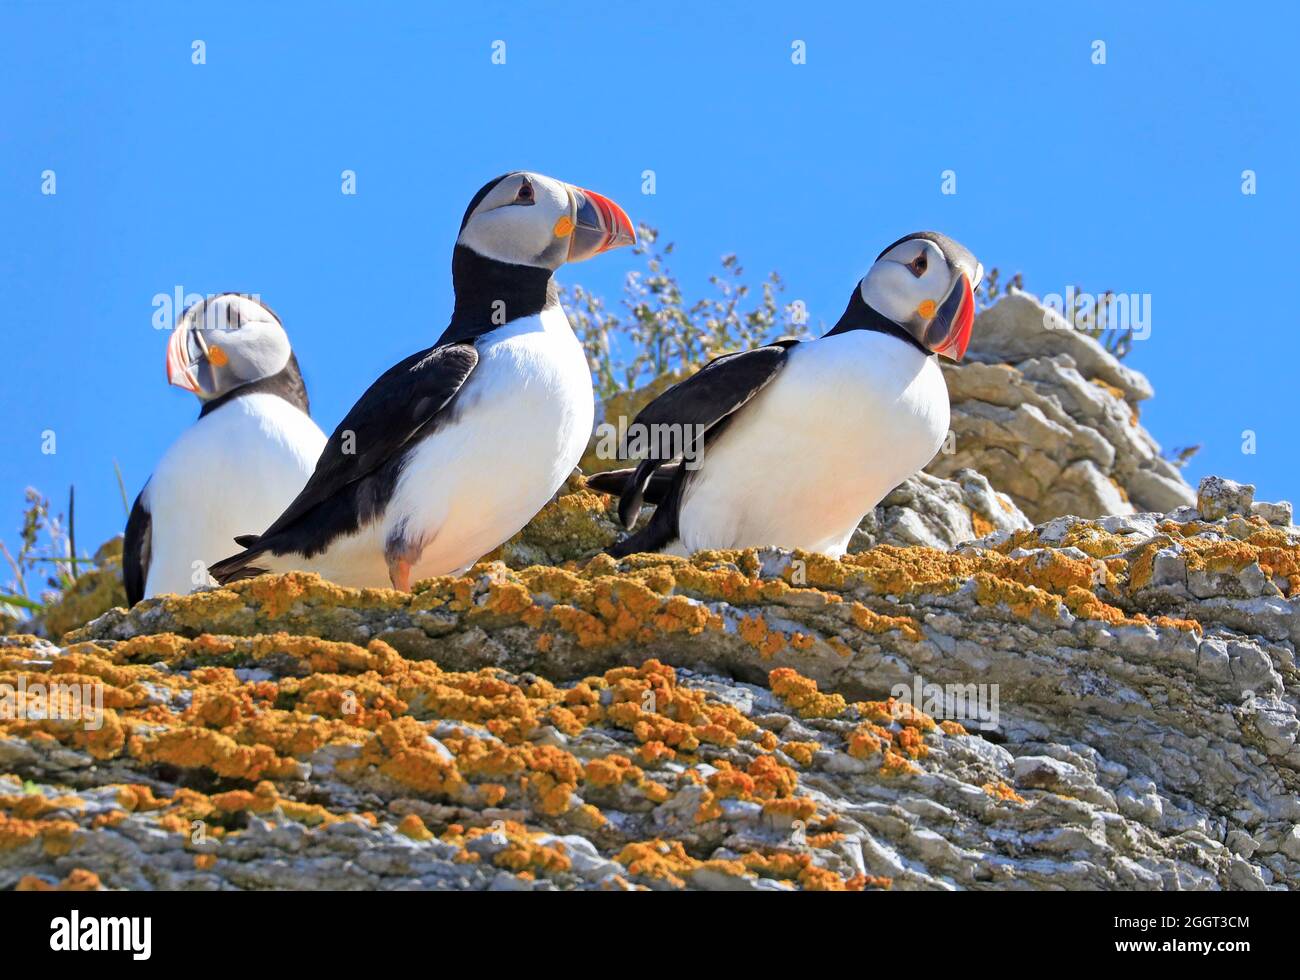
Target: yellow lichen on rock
(801, 693)
(490, 720)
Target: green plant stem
(8, 598)
(72, 528)
(121, 488)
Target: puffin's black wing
(698, 405)
(353, 476)
(136, 546)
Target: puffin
(450, 452)
(789, 445)
(246, 457)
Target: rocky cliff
(1102, 704)
(967, 700)
(1051, 418)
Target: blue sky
(226, 176)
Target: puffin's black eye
(525, 195)
(918, 265)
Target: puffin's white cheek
(258, 350)
(488, 236)
(893, 291)
(518, 235)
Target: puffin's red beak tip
(618, 226)
(957, 340)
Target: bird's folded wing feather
(392, 412)
(703, 400)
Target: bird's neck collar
(859, 316)
(490, 293)
(286, 384)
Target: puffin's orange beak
(948, 333)
(598, 224)
(180, 372)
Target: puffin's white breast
(847, 419)
(518, 428)
(232, 472)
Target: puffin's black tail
(662, 491)
(616, 482)
(611, 482)
(237, 567)
(658, 532)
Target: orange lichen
(788, 809)
(896, 765)
(612, 770)
(873, 622)
(198, 748)
(525, 857)
(1142, 565)
(413, 827)
(801, 752)
(32, 806)
(755, 631)
(55, 836)
(137, 797)
(801, 868)
(1001, 791)
(77, 880)
(896, 731)
(1024, 601)
(668, 861)
(444, 741)
(801, 693)
(865, 741)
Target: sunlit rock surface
(1051, 418)
(722, 722)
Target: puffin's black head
(224, 342)
(523, 218)
(925, 283)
